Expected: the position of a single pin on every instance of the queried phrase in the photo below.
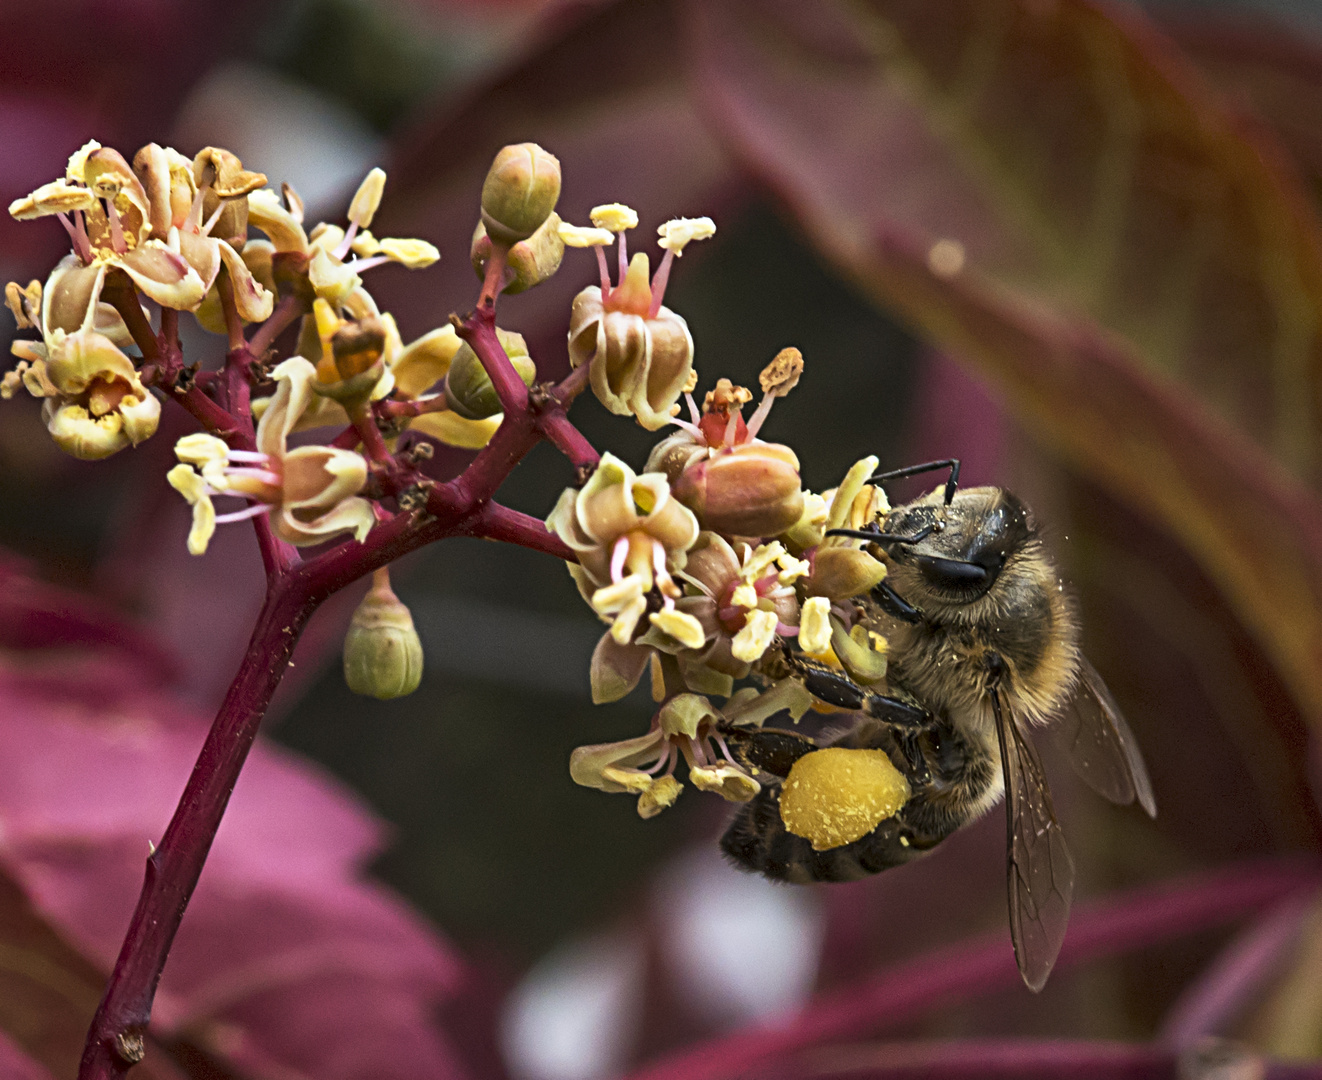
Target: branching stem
(462, 507)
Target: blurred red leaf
(1117, 230)
(1272, 69)
(1122, 923)
(606, 93)
(288, 961)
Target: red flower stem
(463, 507)
(124, 299)
(364, 424)
(289, 308)
(233, 324)
(115, 1041)
(479, 330)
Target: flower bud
(839, 573)
(468, 387)
(835, 796)
(532, 261)
(520, 192)
(357, 351)
(382, 653)
(750, 490)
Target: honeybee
(983, 647)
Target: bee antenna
(915, 470)
(876, 536)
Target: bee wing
(1040, 870)
(1100, 745)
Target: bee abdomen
(757, 840)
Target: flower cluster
(704, 566)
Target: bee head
(960, 549)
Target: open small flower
(743, 598)
(106, 212)
(310, 492)
(201, 205)
(630, 535)
(640, 353)
(735, 483)
(685, 726)
(318, 265)
(840, 568)
(96, 405)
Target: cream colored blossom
(686, 726)
(640, 352)
(331, 275)
(95, 403)
(629, 536)
(310, 492)
(107, 214)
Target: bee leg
(893, 710)
(916, 770)
(831, 686)
(894, 605)
(767, 750)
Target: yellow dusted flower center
(837, 795)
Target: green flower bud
(520, 192)
(532, 261)
(468, 387)
(382, 653)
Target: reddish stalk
(286, 312)
(294, 591)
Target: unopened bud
(357, 351)
(367, 198)
(750, 490)
(520, 192)
(382, 652)
(532, 261)
(839, 573)
(837, 795)
(468, 387)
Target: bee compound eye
(954, 575)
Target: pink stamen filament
(659, 280)
(359, 265)
(78, 235)
(194, 219)
(211, 221)
(623, 253)
(673, 759)
(343, 248)
(666, 752)
(263, 476)
(242, 515)
(692, 429)
(618, 554)
(117, 240)
(248, 455)
(605, 274)
(760, 416)
(732, 427)
(694, 415)
(786, 631)
(725, 750)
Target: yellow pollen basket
(837, 795)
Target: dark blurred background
(609, 938)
